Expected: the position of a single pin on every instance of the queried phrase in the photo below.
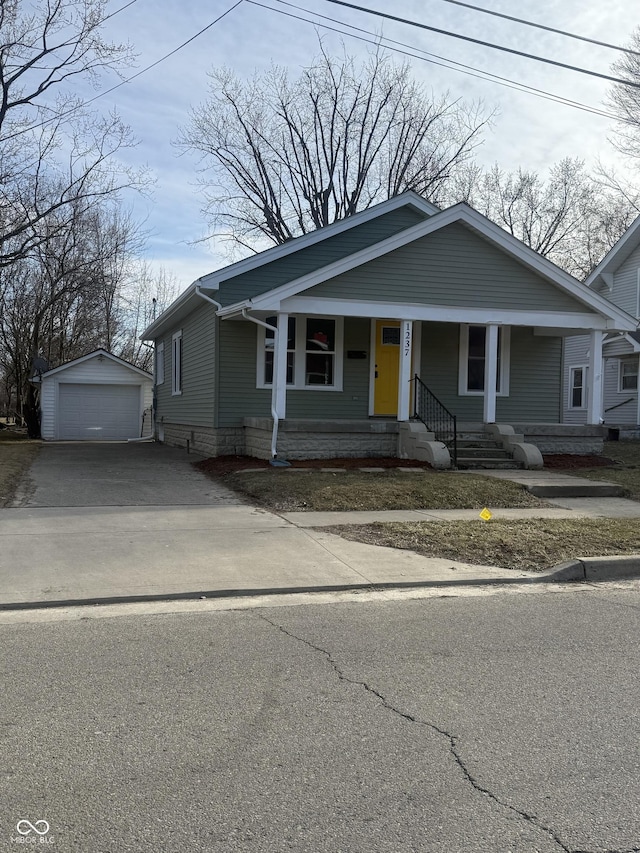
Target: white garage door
(98, 412)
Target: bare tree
(63, 300)
(281, 157)
(572, 218)
(143, 297)
(625, 100)
(54, 154)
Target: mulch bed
(220, 466)
(569, 460)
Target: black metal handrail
(435, 416)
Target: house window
(320, 351)
(160, 363)
(628, 376)
(176, 363)
(314, 353)
(577, 387)
(473, 346)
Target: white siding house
(98, 397)
(617, 277)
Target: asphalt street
(501, 722)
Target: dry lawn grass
(626, 470)
(531, 545)
(15, 459)
(286, 490)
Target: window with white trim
(473, 341)
(628, 375)
(176, 363)
(578, 387)
(638, 294)
(160, 363)
(314, 353)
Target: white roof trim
(213, 279)
(445, 313)
(99, 353)
(630, 236)
(458, 213)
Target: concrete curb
(574, 571)
(598, 569)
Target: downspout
(208, 298)
(274, 413)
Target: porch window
(314, 353)
(473, 341)
(176, 363)
(269, 342)
(160, 363)
(577, 387)
(320, 351)
(628, 377)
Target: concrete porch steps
(476, 451)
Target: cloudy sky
(530, 132)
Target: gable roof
(629, 241)
(188, 299)
(461, 213)
(99, 353)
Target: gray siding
(319, 255)
(453, 266)
(196, 404)
(576, 353)
(239, 397)
(535, 380)
(625, 281)
(619, 347)
(621, 414)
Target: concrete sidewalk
(53, 555)
(90, 554)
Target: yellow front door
(387, 367)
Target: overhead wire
(102, 94)
(431, 57)
(538, 26)
(483, 43)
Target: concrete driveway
(113, 522)
(83, 474)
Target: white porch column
(594, 378)
(404, 388)
(279, 388)
(490, 373)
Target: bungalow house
(367, 336)
(617, 277)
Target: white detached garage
(98, 397)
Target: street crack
(452, 739)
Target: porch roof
(290, 297)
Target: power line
(543, 27)
(75, 109)
(463, 69)
(486, 43)
(121, 9)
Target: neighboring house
(617, 277)
(360, 307)
(98, 397)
